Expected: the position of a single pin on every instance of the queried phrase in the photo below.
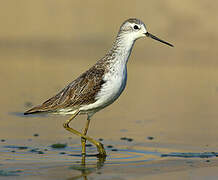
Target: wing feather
(79, 92)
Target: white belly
(115, 82)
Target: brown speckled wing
(81, 91)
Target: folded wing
(79, 92)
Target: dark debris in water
(2, 140)
(41, 152)
(150, 137)
(58, 146)
(62, 153)
(109, 146)
(36, 150)
(192, 155)
(36, 134)
(126, 139)
(9, 173)
(22, 147)
(114, 149)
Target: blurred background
(171, 94)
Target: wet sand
(164, 125)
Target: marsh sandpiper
(99, 86)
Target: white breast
(115, 82)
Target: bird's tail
(34, 110)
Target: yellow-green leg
(99, 146)
(83, 140)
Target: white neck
(124, 47)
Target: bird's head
(134, 29)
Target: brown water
(171, 94)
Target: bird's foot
(101, 150)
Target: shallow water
(164, 125)
(27, 159)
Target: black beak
(156, 38)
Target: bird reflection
(87, 169)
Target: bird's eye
(136, 27)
